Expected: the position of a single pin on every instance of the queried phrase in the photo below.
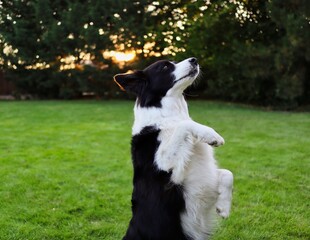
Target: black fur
(156, 202)
(149, 85)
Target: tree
(47, 42)
(252, 51)
(292, 58)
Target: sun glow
(119, 57)
(124, 57)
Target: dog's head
(162, 78)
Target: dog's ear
(131, 82)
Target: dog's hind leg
(225, 186)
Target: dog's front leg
(205, 134)
(175, 149)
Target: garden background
(254, 52)
(65, 168)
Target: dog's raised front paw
(212, 138)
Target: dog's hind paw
(223, 203)
(224, 213)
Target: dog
(177, 186)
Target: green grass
(65, 169)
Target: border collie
(177, 187)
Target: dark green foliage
(262, 57)
(45, 32)
(250, 51)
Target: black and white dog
(177, 185)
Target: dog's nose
(193, 61)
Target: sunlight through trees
(250, 51)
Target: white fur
(185, 149)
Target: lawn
(66, 172)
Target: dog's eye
(165, 67)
